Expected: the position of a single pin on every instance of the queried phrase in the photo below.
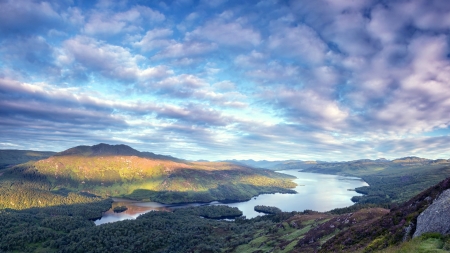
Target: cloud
(350, 79)
(301, 42)
(28, 108)
(427, 15)
(22, 103)
(110, 61)
(194, 115)
(132, 20)
(27, 17)
(183, 50)
(229, 34)
(32, 56)
(421, 102)
(214, 3)
(155, 39)
(308, 108)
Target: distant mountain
(336, 167)
(9, 157)
(272, 165)
(411, 159)
(362, 166)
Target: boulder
(436, 218)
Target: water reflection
(317, 192)
(135, 208)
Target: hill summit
(103, 149)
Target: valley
(50, 205)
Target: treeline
(267, 209)
(25, 230)
(399, 187)
(211, 212)
(231, 192)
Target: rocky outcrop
(436, 218)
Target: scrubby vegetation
(391, 229)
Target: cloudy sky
(223, 79)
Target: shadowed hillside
(10, 157)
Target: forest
(184, 230)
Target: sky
(330, 80)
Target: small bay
(319, 192)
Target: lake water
(317, 192)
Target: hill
(10, 157)
(103, 149)
(121, 171)
(264, 164)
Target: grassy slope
(426, 243)
(307, 232)
(390, 229)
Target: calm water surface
(317, 192)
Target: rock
(407, 234)
(436, 218)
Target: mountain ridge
(103, 149)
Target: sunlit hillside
(107, 170)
